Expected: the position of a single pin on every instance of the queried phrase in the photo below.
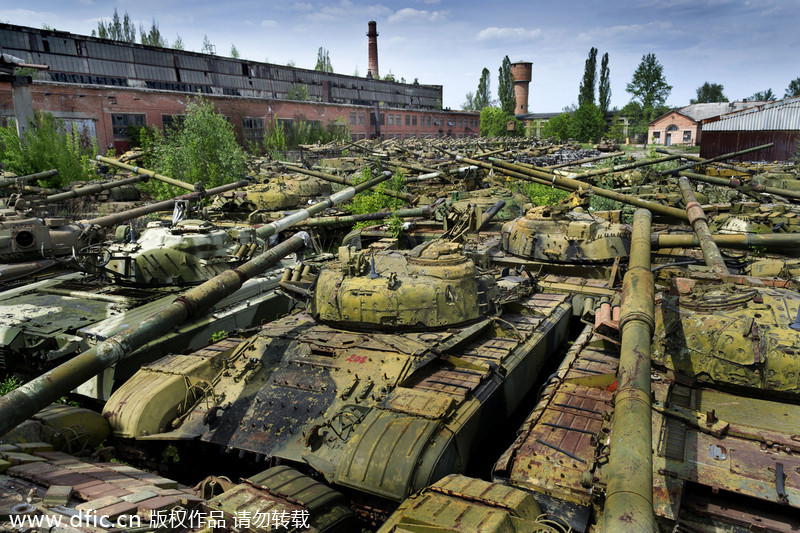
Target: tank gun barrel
(276, 227)
(696, 159)
(699, 223)
(584, 160)
(722, 157)
(629, 166)
(91, 189)
(148, 173)
(788, 243)
(6, 182)
(408, 198)
(490, 214)
(166, 205)
(749, 188)
(437, 174)
(629, 494)
(24, 402)
(324, 222)
(516, 171)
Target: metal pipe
(628, 166)
(629, 493)
(24, 402)
(699, 223)
(722, 157)
(323, 222)
(149, 173)
(5, 182)
(408, 198)
(516, 171)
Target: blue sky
(747, 46)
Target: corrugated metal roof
(779, 115)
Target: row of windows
(687, 136)
(411, 120)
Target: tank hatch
(433, 286)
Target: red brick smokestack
(372, 69)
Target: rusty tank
(400, 364)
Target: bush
(202, 149)
(557, 127)
(494, 123)
(47, 145)
(587, 123)
(374, 200)
(543, 194)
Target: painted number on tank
(357, 359)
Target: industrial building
(103, 86)
(770, 122)
(684, 125)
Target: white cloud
(409, 14)
(269, 23)
(346, 10)
(508, 34)
(34, 19)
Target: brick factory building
(103, 86)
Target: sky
(746, 46)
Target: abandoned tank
(401, 363)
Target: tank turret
(433, 286)
(556, 233)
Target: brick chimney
(372, 69)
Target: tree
(207, 47)
(494, 122)
(505, 88)
(484, 95)
(793, 89)
(152, 37)
(298, 92)
(763, 96)
(648, 85)
(469, 104)
(587, 123)
(234, 51)
(709, 92)
(117, 30)
(203, 148)
(604, 91)
(558, 127)
(356, 73)
(586, 91)
(323, 61)
(178, 43)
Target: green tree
(202, 149)
(49, 143)
(469, 103)
(505, 88)
(484, 95)
(639, 117)
(557, 127)
(709, 92)
(495, 121)
(234, 51)
(793, 89)
(323, 61)
(178, 43)
(763, 96)
(207, 47)
(587, 123)
(586, 91)
(298, 92)
(604, 90)
(152, 37)
(117, 30)
(649, 86)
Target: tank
(684, 423)
(400, 365)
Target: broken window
(120, 123)
(352, 118)
(360, 119)
(171, 122)
(687, 136)
(414, 120)
(390, 120)
(397, 120)
(656, 136)
(408, 120)
(253, 129)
